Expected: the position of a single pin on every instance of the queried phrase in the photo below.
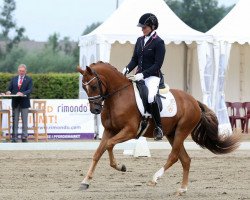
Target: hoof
(177, 194)
(181, 192)
(123, 169)
(83, 186)
(151, 183)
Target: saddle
(164, 98)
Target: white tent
(231, 51)
(233, 33)
(114, 40)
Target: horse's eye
(93, 87)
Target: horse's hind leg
(172, 158)
(185, 161)
(177, 151)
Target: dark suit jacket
(148, 58)
(26, 89)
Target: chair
(38, 108)
(230, 112)
(2, 112)
(246, 106)
(237, 114)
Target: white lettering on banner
(62, 116)
(67, 136)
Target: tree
(6, 19)
(70, 48)
(11, 60)
(201, 15)
(8, 24)
(53, 42)
(57, 56)
(91, 27)
(67, 46)
(15, 41)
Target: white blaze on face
(87, 88)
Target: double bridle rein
(98, 99)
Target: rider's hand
(125, 71)
(138, 77)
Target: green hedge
(48, 86)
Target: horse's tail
(206, 134)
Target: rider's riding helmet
(148, 19)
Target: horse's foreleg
(124, 135)
(98, 153)
(113, 162)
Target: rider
(149, 55)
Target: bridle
(98, 99)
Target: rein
(108, 95)
(101, 97)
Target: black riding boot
(158, 134)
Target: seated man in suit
(20, 85)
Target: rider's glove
(125, 71)
(139, 76)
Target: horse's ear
(89, 70)
(80, 70)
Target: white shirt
(148, 37)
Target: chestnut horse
(111, 94)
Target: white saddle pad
(169, 108)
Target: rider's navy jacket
(149, 57)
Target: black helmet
(148, 19)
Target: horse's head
(94, 87)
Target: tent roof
(234, 26)
(122, 24)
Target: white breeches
(152, 83)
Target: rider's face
(146, 30)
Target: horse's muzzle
(96, 110)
